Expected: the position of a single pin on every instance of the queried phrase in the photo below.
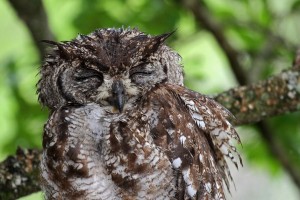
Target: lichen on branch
(277, 95)
(19, 174)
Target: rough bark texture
(19, 174)
(278, 95)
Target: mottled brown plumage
(123, 126)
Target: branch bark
(19, 174)
(277, 95)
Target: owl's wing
(212, 118)
(194, 132)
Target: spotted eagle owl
(123, 126)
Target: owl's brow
(102, 67)
(95, 62)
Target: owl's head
(111, 67)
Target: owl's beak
(118, 95)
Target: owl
(123, 126)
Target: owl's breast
(139, 168)
(72, 163)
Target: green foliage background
(266, 33)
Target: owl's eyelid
(142, 73)
(140, 69)
(87, 74)
(86, 78)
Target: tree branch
(204, 19)
(19, 174)
(277, 95)
(33, 13)
(242, 102)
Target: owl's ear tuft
(63, 52)
(163, 37)
(155, 42)
(160, 39)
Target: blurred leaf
(257, 152)
(295, 6)
(287, 129)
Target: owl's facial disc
(118, 95)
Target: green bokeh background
(266, 33)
